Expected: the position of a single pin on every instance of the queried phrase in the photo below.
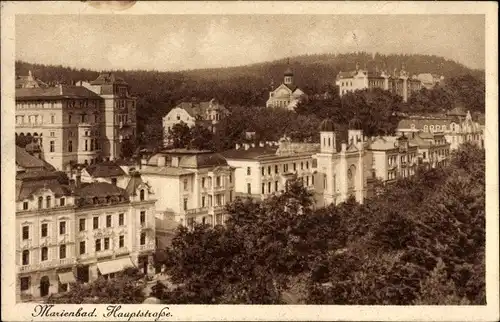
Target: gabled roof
(105, 170)
(99, 189)
(108, 79)
(200, 108)
(29, 162)
(30, 182)
(61, 91)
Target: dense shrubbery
(419, 242)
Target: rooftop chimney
(237, 147)
(247, 146)
(175, 161)
(60, 89)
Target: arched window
(48, 201)
(329, 142)
(426, 128)
(40, 202)
(141, 195)
(95, 200)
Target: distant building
(78, 231)
(458, 126)
(399, 83)
(429, 81)
(29, 82)
(287, 95)
(77, 124)
(207, 114)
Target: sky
(180, 42)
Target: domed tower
(355, 131)
(327, 136)
(288, 75)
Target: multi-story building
(433, 149)
(391, 157)
(265, 169)
(398, 83)
(78, 231)
(77, 124)
(191, 186)
(287, 95)
(207, 114)
(341, 168)
(457, 126)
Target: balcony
(146, 247)
(104, 253)
(218, 188)
(47, 265)
(196, 211)
(122, 250)
(146, 226)
(122, 124)
(26, 243)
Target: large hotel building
(76, 124)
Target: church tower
(355, 131)
(327, 136)
(288, 75)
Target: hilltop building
(429, 81)
(77, 124)
(77, 231)
(288, 94)
(207, 114)
(399, 83)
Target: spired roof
(355, 124)
(105, 170)
(61, 91)
(327, 125)
(134, 182)
(288, 71)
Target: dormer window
(62, 202)
(48, 201)
(25, 205)
(108, 199)
(95, 200)
(141, 195)
(40, 202)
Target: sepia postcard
(249, 161)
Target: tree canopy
(420, 241)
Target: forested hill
(247, 85)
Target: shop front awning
(114, 266)
(66, 278)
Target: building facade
(264, 170)
(457, 126)
(207, 114)
(399, 83)
(287, 95)
(79, 231)
(76, 124)
(191, 187)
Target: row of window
(81, 225)
(219, 183)
(346, 83)
(38, 104)
(48, 203)
(100, 245)
(207, 202)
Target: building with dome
(287, 94)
